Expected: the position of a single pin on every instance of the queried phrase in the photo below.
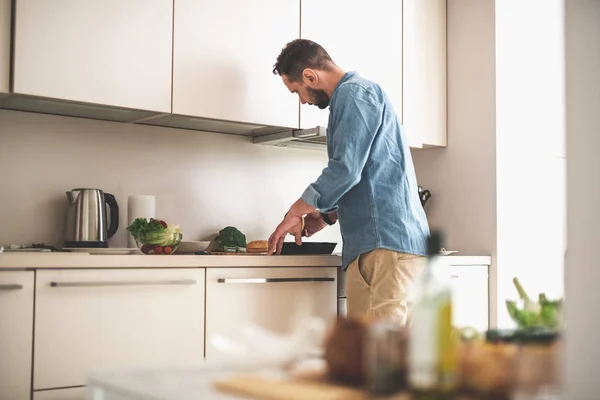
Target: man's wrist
(327, 219)
(300, 208)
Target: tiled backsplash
(202, 181)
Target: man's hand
(313, 223)
(292, 223)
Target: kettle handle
(114, 214)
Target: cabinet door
(224, 52)
(361, 37)
(80, 393)
(16, 330)
(112, 52)
(5, 17)
(276, 299)
(88, 319)
(424, 70)
(470, 285)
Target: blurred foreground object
(432, 345)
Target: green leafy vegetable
(141, 227)
(530, 305)
(550, 314)
(231, 237)
(546, 313)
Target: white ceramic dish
(190, 247)
(105, 251)
(444, 252)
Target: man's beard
(319, 97)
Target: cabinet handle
(11, 286)
(124, 283)
(273, 280)
(454, 276)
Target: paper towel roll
(141, 206)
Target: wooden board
(310, 387)
(260, 388)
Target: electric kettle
(87, 218)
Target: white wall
(202, 181)
(499, 186)
(530, 150)
(462, 177)
(582, 273)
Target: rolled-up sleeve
(357, 116)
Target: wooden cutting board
(260, 388)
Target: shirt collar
(346, 76)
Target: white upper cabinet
(401, 45)
(224, 52)
(358, 37)
(78, 393)
(110, 52)
(5, 10)
(424, 71)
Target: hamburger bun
(257, 246)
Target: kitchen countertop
(83, 260)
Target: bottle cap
(434, 243)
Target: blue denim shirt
(370, 178)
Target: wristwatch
(326, 218)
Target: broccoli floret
(231, 237)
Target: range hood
(312, 139)
(46, 105)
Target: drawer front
(89, 319)
(275, 299)
(16, 330)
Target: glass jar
(486, 365)
(385, 357)
(536, 367)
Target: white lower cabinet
(470, 285)
(80, 393)
(16, 330)
(95, 319)
(276, 299)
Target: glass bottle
(432, 350)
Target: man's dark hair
(298, 55)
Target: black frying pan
(307, 248)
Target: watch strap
(327, 219)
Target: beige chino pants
(378, 284)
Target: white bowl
(190, 247)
